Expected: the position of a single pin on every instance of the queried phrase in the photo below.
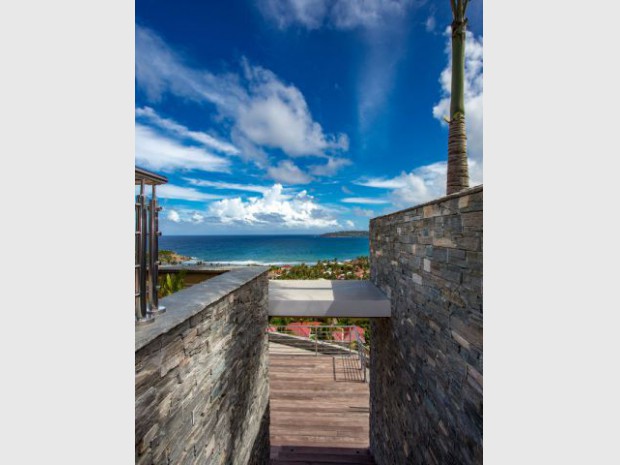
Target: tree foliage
(171, 283)
(358, 268)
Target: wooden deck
(318, 408)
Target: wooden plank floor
(318, 408)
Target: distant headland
(346, 234)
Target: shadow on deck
(319, 408)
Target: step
(307, 455)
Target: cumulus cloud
(174, 216)
(185, 216)
(160, 153)
(263, 111)
(172, 126)
(421, 185)
(340, 14)
(274, 208)
(197, 218)
(288, 173)
(278, 116)
(473, 93)
(349, 224)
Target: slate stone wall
(426, 360)
(202, 387)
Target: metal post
(361, 353)
(142, 316)
(154, 307)
(137, 259)
(316, 342)
(349, 334)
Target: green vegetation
(361, 322)
(165, 256)
(169, 257)
(358, 268)
(171, 283)
(346, 234)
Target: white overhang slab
(324, 298)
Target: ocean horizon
(272, 249)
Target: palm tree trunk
(458, 173)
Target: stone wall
(202, 387)
(426, 360)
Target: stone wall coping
(186, 303)
(456, 195)
(327, 298)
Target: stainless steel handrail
(314, 340)
(147, 247)
(141, 271)
(154, 233)
(363, 354)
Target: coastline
(260, 250)
(194, 261)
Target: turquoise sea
(266, 250)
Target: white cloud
(228, 185)
(365, 200)
(383, 24)
(180, 130)
(348, 14)
(364, 212)
(170, 191)
(332, 166)
(264, 111)
(309, 13)
(349, 224)
(421, 185)
(173, 215)
(185, 216)
(429, 182)
(430, 23)
(381, 183)
(473, 94)
(288, 173)
(160, 153)
(377, 75)
(341, 14)
(197, 218)
(278, 116)
(274, 208)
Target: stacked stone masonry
(426, 378)
(202, 387)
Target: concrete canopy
(324, 298)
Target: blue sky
(298, 116)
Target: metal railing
(314, 340)
(147, 247)
(364, 355)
